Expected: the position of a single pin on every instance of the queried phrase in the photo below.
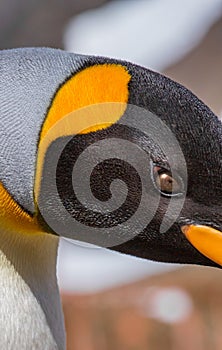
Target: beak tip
(207, 240)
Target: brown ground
(115, 319)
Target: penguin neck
(31, 311)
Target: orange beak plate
(206, 240)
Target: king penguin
(54, 106)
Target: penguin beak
(206, 240)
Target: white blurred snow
(153, 33)
(82, 269)
(168, 305)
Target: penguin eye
(166, 184)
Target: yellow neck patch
(13, 217)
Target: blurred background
(113, 301)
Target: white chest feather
(23, 323)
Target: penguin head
(118, 156)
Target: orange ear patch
(91, 100)
(93, 85)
